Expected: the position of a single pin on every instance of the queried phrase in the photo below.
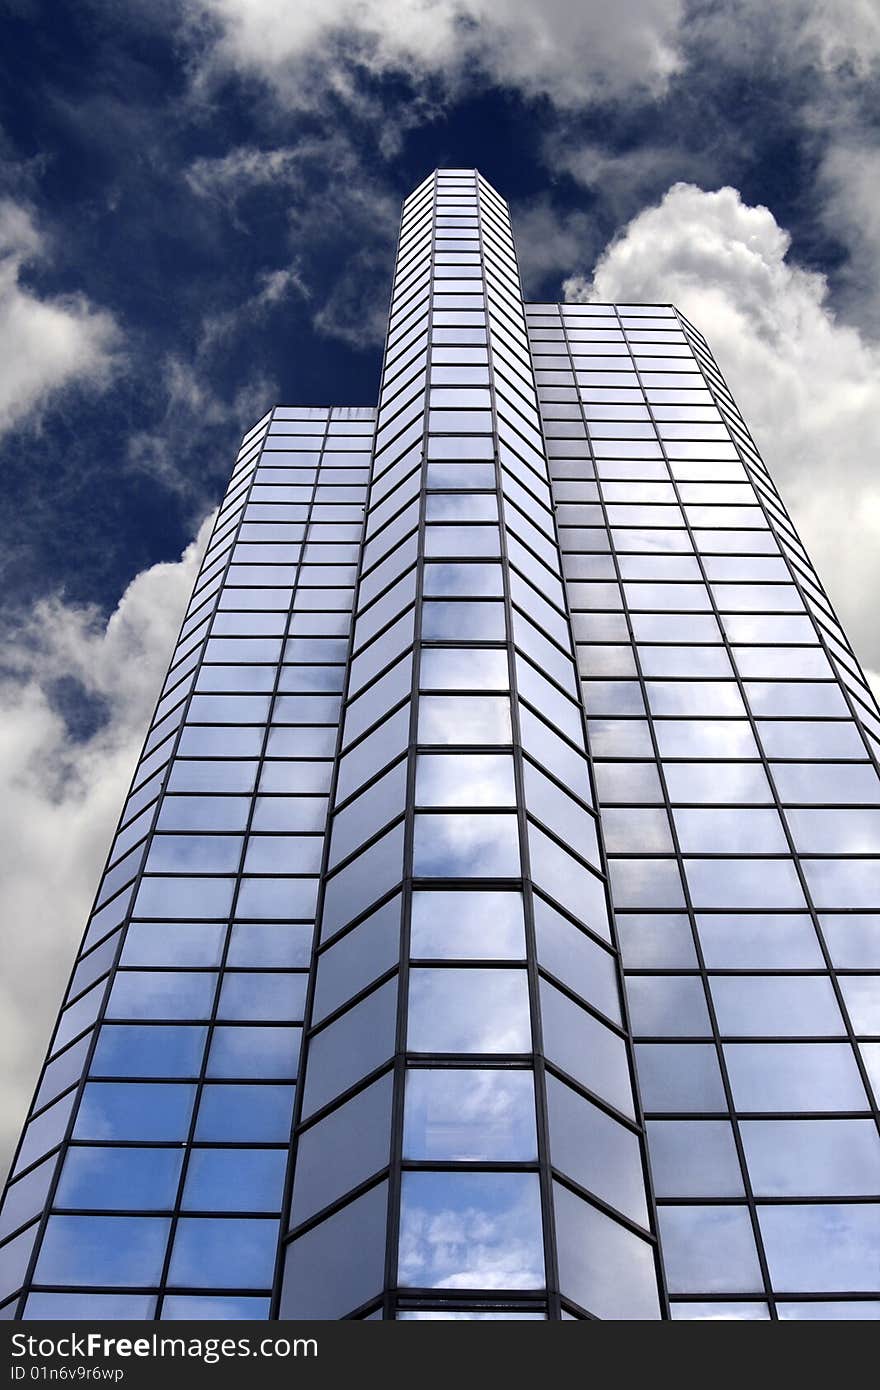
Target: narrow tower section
(467, 1139)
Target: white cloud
(46, 345)
(547, 241)
(60, 796)
(190, 406)
(808, 384)
(849, 182)
(331, 200)
(568, 50)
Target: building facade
(489, 931)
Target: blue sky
(198, 206)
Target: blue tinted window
(224, 1252)
(235, 1180)
(119, 1179)
(96, 1250)
(255, 1114)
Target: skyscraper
(354, 1030)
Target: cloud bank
(807, 383)
(61, 792)
(46, 345)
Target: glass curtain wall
(150, 1177)
(513, 768)
(735, 748)
(467, 1121)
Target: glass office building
(490, 928)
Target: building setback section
(490, 928)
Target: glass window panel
(119, 1179)
(560, 813)
(14, 1261)
(829, 784)
(810, 739)
(463, 621)
(680, 1077)
(772, 941)
(794, 1076)
(744, 883)
(472, 925)
(250, 1114)
(363, 761)
(357, 958)
(361, 1226)
(277, 897)
(569, 954)
(694, 1158)
(812, 1158)
(235, 1180)
(350, 1047)
(791, 700)
(465, 845)
(606, 1269)
(161, 994)
(26, 1197)
(463, 668)
(719, 1311)
(861, 994)
(363, 880)
(655, 941)
(200, 1255)
(730, 832)
(343, 1149)
(463, 581)
(653, 883)
(554, 754)
(470, 1115)
(477, 1230)
(473, 779)
(817, 1310)
(853, 939)
(204, 813)
(96, 1250)
(841, 883)
(472, 1010)
(636, 828)
(270, 943)
(373, 808)
(718, 782)
(572, 885)
(289, 813)
(89, 1307)
(596, 1151)
(825, 1248)
(627, 782)
(705, 738)
(585, 1048)
(709, 1249)
(262, 995)
(183, 1308)
(668, 1006)
(266, 1052)
(694, 697)
(684, 661)
(464, 719)
(144, 1050)
(127, 1111)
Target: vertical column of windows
(592, 1147)
(345, 1114)
(469, 1139)
(704, 675)
(35, 1167)
(200, 1035)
